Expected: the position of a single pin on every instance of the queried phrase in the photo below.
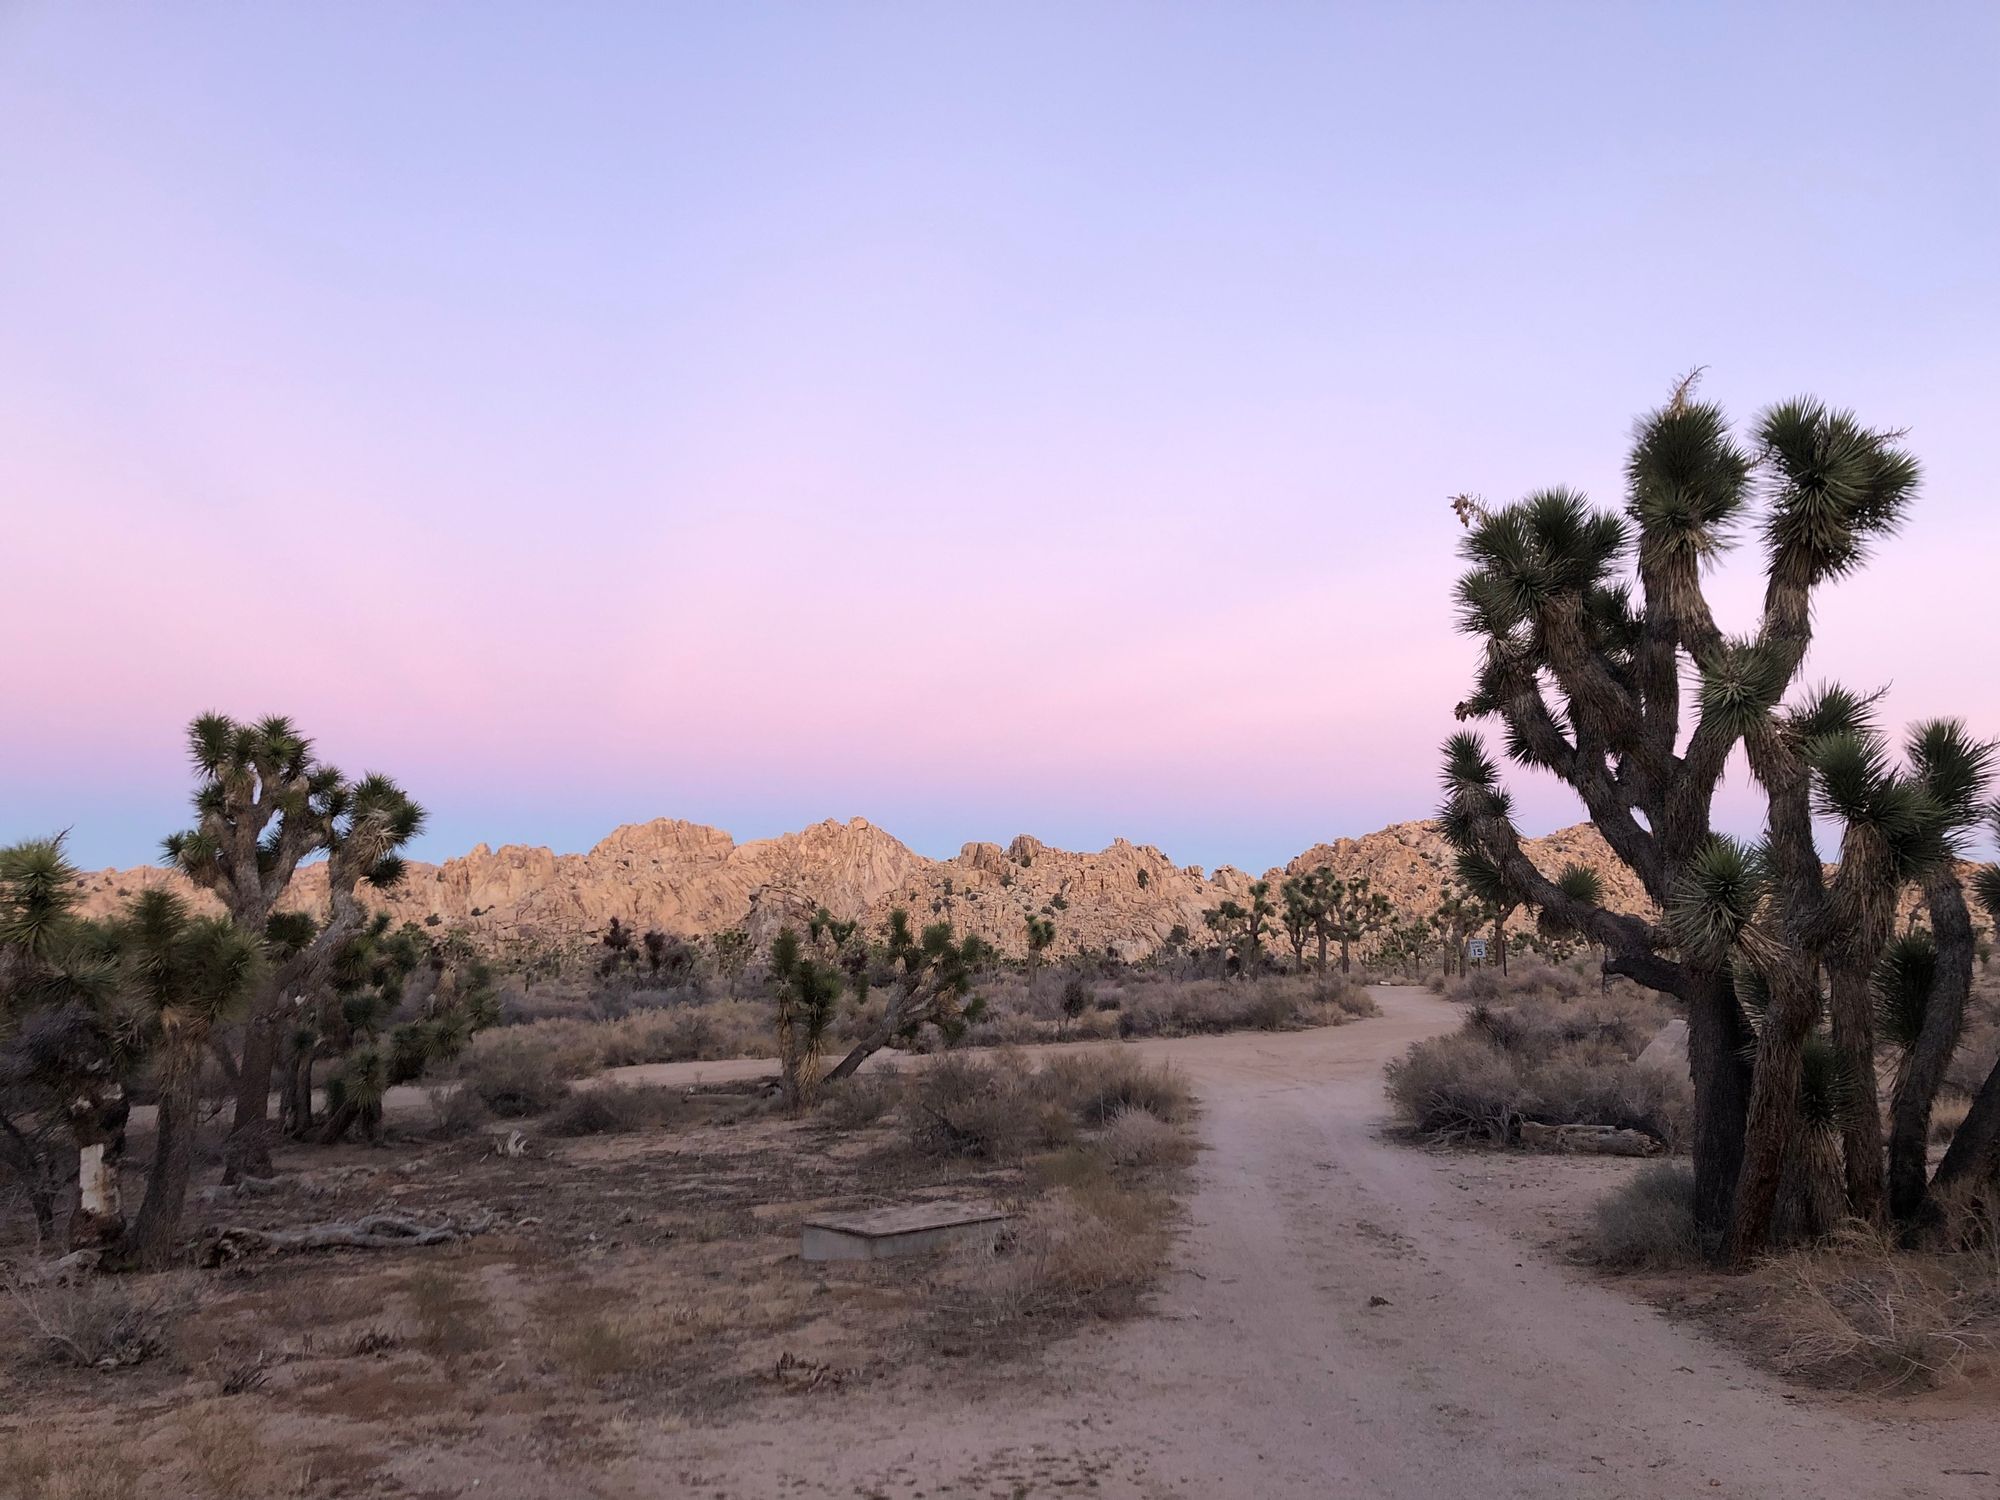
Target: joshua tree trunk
(1717, 1036)
(1975, 1146)
(158, 1224)
(1774, 1107)
(247, 1153)
(296, 1107)
(1923, 1073)
(97, 1125)
(1861, 1121)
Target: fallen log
(1589, 1140)
(370, 1232)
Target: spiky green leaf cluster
(1903, 980)
(1832, 486)
(1716, 898)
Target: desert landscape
(998, 752)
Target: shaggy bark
(157, 1227)
(1924, 1070)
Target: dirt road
(1343, 1322)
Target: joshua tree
(1075, 1001)
(1589, 621)
(187, 974)
(1243, 927)
(932, 977)
(1041, 932)
(1303, 915)
(400, 1004)
(731, 950)
(265, 804)
(618, 949)
(66, 1042)
(1452, 918)
(1355, 913)
(807, 992)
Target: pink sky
(980, 421)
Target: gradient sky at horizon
(977, 418)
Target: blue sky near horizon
(980, 419)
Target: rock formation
(687, 879)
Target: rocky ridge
(688, 879)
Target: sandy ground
(1348, 1317)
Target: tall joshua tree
(264, 805)
(1590, 621)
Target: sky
(977, 418)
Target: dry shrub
(1456, 1087)
(1270, 1002)
(104, 1323)
(1535, 1028)
(860, 1100)
(1648, 1223)
(1090, 1248)
(456, 1111)
(35, 1466)
(567, 1049)
(1556, 1062)
(616, 1108)
(1523, 980)
(1139, 1139)
(960, 1106)
(1001, 1108)
(1095, 1086)
(450, 1312)
(1858, 1312)
(512, 1075)
(687, 1033)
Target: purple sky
(980, 419)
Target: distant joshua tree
(264, 805)
(1041, 933)
(932, 976)
(807, 992)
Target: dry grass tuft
(1089, 1248)
(104, 1323)
(1138, 1139)
(1858, 1312)
(861, 1100)
(1648, 1223)
(227, 1456)
(37, 1467)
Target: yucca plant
(264, 804)
(1589, 621)
(67, 1042)
(808, 989)
(187, 975)
(932, 977)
